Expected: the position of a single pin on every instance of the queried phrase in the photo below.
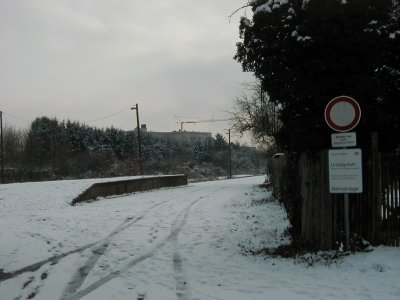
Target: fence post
(376, 186)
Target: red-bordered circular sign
(342, 113)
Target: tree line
(53, 149)
(305, 53)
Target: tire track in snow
(177, 225)
(129, 221)
(182, 282)
(55, 259)
(36, 266)
(80, 275)
(182, 289)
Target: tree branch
(236, 10)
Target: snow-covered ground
(181, 243)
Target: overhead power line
(15, 117)
(109, 116)
(99, 119)
(200, 121)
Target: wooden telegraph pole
(138, 136)
(2, 147)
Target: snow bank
(185, 243)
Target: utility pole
(2, 147)
(138, 137)
(230, 154)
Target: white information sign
(343, 140)
(345, 171)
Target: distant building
(180, 137)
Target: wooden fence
(374, 214)
(391, 198)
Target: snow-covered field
(182, 243)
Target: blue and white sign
(345, 171)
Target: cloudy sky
(87, 59)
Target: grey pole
(230, 154)
(346, 221)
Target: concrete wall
(121, 187)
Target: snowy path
(182, 243)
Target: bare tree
(254, 112)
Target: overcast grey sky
(86, 59)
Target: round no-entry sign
(342, 113)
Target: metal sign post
(346, 221)
(345, 177)
(342, 114)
